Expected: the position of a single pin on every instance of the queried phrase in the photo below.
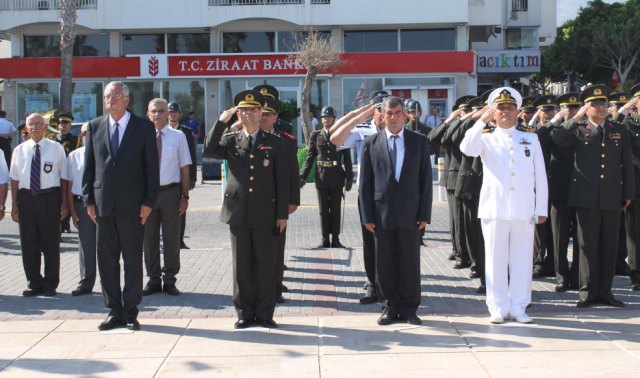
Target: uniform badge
(525, 142)
(615, 136)
(527, 153)
(265, 163)
(48, 167)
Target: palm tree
(68, 15)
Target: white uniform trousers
(508, 265)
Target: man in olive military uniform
(563, 217)
(270, 109)
(602, 183)
(271, 92)
(632, 213)
(527, 110)
(330, 178)
(255, 206)
(69, 142)
(174, 122)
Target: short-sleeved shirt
(4, 170)
(52, 159)
(74, 169)
(6, 127)
(175, 154)
(356, 138)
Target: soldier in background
(330, 178)
(174, 122)
(271, 91)
(69, 142)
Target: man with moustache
(120, 188)
(602, 184)
(396, 197)
(256, 206)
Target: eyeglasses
(115, 96)
(600, 104)
(157, 111)
(61, 122)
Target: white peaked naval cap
(505, 95)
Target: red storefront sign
(226, 65)
(437, 93)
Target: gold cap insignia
(264, 91)
(248, 97)
(573, 99)
(597, 91)
(623, 98)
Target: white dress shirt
(122, 126)
(4, 171)
(175, 154)
(52, 159)
(514, 186)
(399, 150)
(74, 169)
(356, 138)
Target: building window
(188, 43)
(356, 92)
(249, 42)
(428, 40)
(86, 101)
(143, 44)
(522, 38)
(370, 40)
(140, 93)
(38, 46)
(519, 5)
(288, 41)
(37, 97)
(190, 95)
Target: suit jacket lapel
(104, 129)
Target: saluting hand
(535, 117)
(226, 115)
(583, 110)
(561, 115)
(453, 116)
(487, 114)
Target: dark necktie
(393, 153)
(159, 145)
(250, 142)
(35, 171)
(115, 140)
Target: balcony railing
(43, 4)
(519, 5)
(253, 2)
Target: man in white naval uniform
(513, 199)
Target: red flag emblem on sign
(153, 66)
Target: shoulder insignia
(526, 129)
(288, 136)
(488, 129)
(366, 124)
(231, 133)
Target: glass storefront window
(86, 100)
(370, 40)
(288, 40)
(143, 44)
(356, 92)
(249, 42)
(37, 97)
(190, 96)
(428, 40)
(188, 43)
(49, 45)
(140, 93)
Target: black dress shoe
(562, 287)
(110, 322)
(133, 324)
(474, 274)
(422, 243)
(482, 289)
(284, 289)
(371, 296)
(269, 323)
(411, 319)
(171, 289)
(538, 273)
(183, 245)
(325, 244)
(32, 292)
(635, 286)
(280, 299)
(461, 265)
(452, 256)
(80, 291)
(623, 270)
(49, 292)
(285, 267)
(335, 243)
(151, 288)
(611, 302)
(387, 318)
(242, 324)
(584, 303)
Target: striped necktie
(35, 171)
(159, 145)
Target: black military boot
(325, 242)
(335, 243)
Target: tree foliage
(602, 39)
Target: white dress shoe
(523, 318)
(496, 319)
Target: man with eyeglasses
(174, 121)
(255, 206)
(562, 216)
(120, 189)
(172, 203)
(602, 184)
(69, 142)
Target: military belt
(327, 164)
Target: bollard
(442, 191)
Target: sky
(568, 9)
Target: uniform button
(602, 166)
(602, 144)
(602, 155)
(575, 180)
(251, 156)
(251, 167)
(250, 190)
(601, 176)
(251, 178)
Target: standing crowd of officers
(584, 155)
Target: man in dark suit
(396, 196)
(120, 186)
(256, 206)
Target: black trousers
(623, 249)
(87, 247)
(543, 256)
(281, 241)
(183, 226)
(632, 224)
(164, 215)
(398, 269)
(254, 272)
(368, 251)
(451, 202)
(120, 236)
(563, 227)
(329, 201)
(472, 238)
(458, 220)
(598, 238)
(40, 236)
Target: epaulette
(229, 133)
(366, 124)
(526, 129)
(288, 136)
(488, 129)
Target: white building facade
(201, 52)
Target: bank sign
(506, 61)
